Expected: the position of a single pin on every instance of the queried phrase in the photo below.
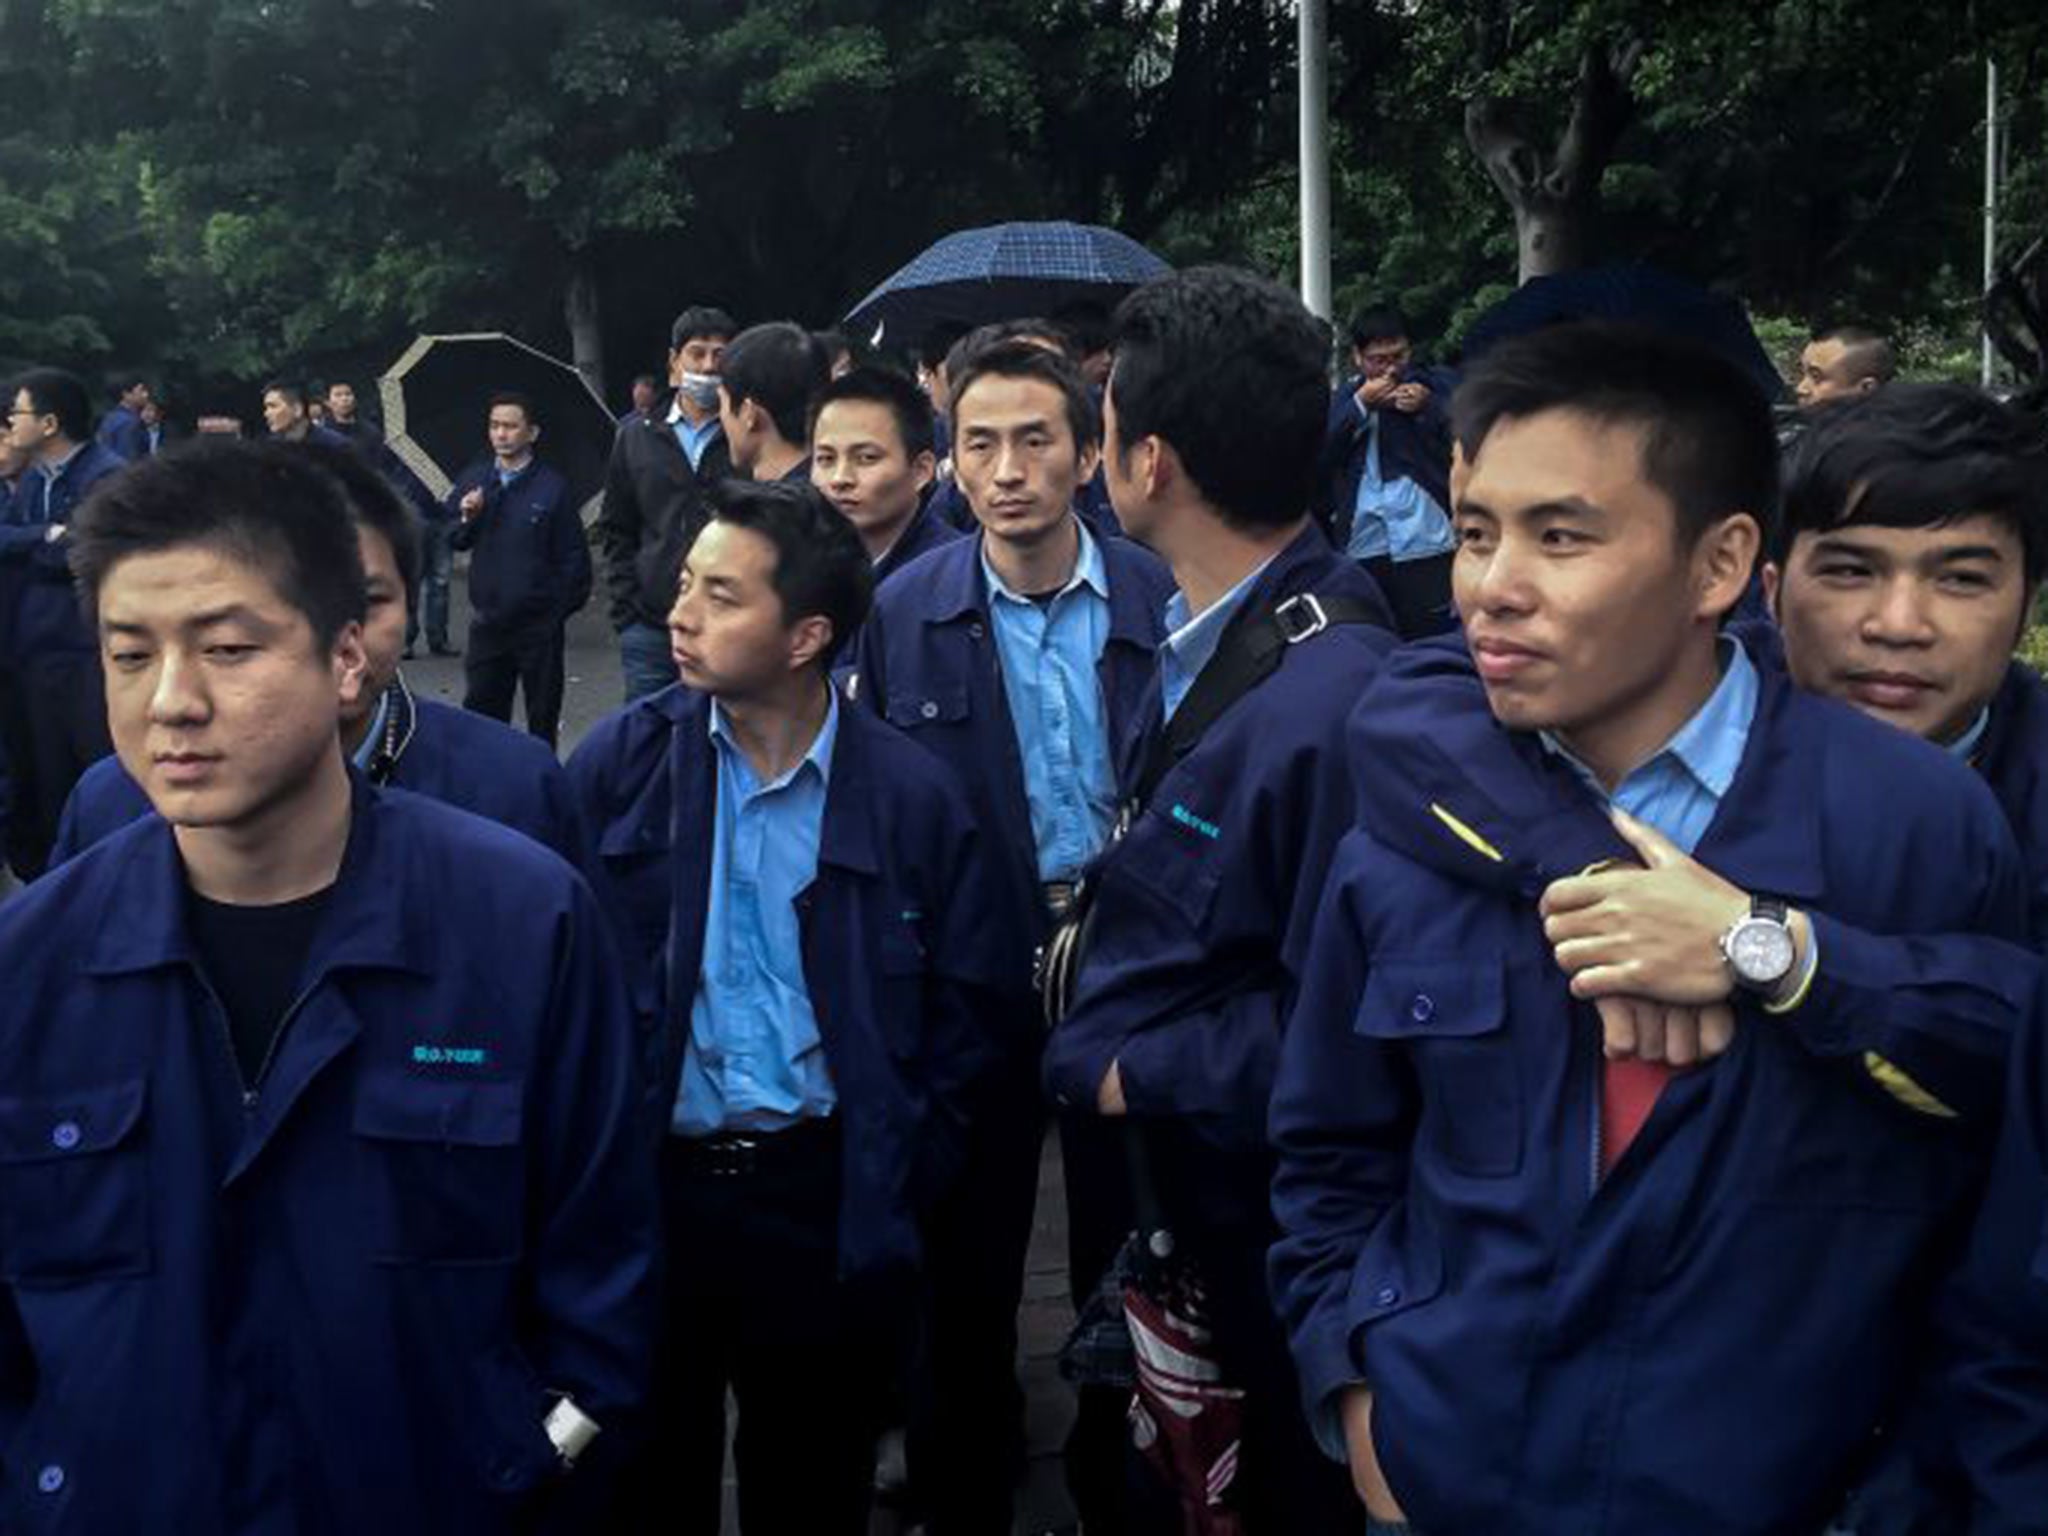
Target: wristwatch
(1759, 948)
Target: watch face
(1760, 951)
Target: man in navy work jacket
(870, 455)
(392, 736)
(1507, 1226)
(52, 725)
(654, 488)
(1183, 985)
(326, 1200)
(1021, 657)
(813, 929)
(122, 430)
(1903, 573)
(1387, 465)
(529, 570)
(770, 376)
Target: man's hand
(1410, 398)
(1366, 1476)
(1109, 1097)
(56, 533)
(471, 503)
(1652, 933)
(1377, 391)
(1632, 1027)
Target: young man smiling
(325, 1202)
(812, 930)
(1507, 1227)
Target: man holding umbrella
(654, 496)
(529, 570)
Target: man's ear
(1723, 562)
(810, 638)
(351, 664)
(924, 467)
(1774, 585)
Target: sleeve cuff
(1806, 974)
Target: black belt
(736, 1154)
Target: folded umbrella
(436, 401)
(1003, 272)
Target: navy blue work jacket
(1183, 983)
(927, 663)
(899, 930)
(2013, 757)
(462, 759)
(1707, 1339)
(925, 533)
(1412, 447)
(121, 432)
(337, 1302)
(35, 576)
(1993, 1406)
(529, 563)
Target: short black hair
(646, 378)
(937, 341)
(911, 407)
(1919, 456)
(1085, 324)
(821, 566)
(781, 367)
(53, 392)
(699, 320)
(272, 507)
(1708, 443)
(1378, 322)
(1233, 372)
(289, 388)
(123, 382)
(1030, 329)
(835, 343)
(1868, 354)
(1015, 358)
(513, 397)
(376, 503)
(333, 384)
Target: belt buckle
(1299, 617)
(732, 1156)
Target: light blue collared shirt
(1965, 745)
(755, 1060)
(368, 747)
(1192, 641)
(1679, 789)
(694, 439)
(507, 476)
(1394, 518)
(1048, 653)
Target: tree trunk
(1555, 193)
(581, 308)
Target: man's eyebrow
(226, 614)
(1560, 506)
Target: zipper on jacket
(1593, 1127)
(249, 1089)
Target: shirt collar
(819, 756)
(1193, 638)
(54, 472)
(374, 736)
(1089, 570)
(1965, 745)
(1709, 746)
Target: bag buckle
(1300, 617)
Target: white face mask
(700, 389)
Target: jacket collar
(373, 919)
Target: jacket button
(975, 631)
(64, 1136)
(504, 1472)
(929, 709)
(1386, 1296)
(51, 1478)
(1423, 1009)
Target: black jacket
(654, 503)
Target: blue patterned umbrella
(1002, 273)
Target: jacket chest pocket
(1450, 1017)
(74, 1186)
(943, 701)
(443, 1169)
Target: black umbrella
(1636, 293)
(436, 402)
(1003, 272)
